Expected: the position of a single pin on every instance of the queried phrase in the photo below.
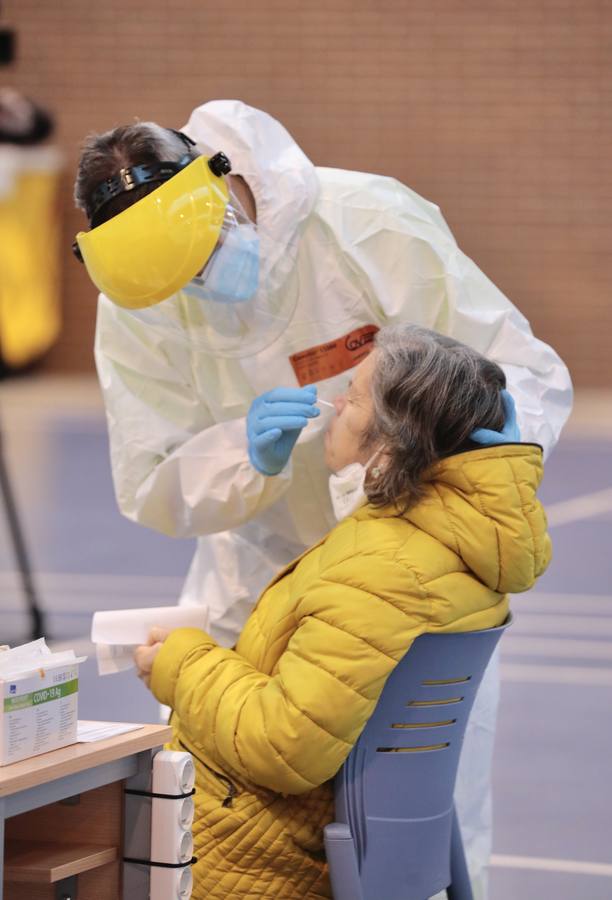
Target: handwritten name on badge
(333, 357)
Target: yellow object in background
(29, 253)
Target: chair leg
(460, 887)
(342, 862)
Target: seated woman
(435, 532)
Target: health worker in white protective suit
(230, 267)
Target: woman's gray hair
(429, 394)
(104, 155)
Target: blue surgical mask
(232, 275)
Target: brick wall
(498, 110)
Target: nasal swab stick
(326, 403)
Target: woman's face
(353, 413)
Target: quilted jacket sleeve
(292, 731)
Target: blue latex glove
(274, 422)
(510, 434)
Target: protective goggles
(154, 248)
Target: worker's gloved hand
(510, 434)
(274, 422)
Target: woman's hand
(144, 655)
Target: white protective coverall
(364, 251)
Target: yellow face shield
(155, 247)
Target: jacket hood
(282, 178)
(482, 504)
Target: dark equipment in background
(7, 46)
(37, 625)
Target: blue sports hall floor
(552, 773)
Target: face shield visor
(185, 261)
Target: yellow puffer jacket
(270, 723)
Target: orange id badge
(333, 357)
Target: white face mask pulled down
(347, 487)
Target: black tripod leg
(36, 616)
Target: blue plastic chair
(396, 834)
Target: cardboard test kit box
(39, 711)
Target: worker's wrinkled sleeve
(174, 468)
(412, 267)
(291, 731)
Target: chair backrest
(395, 791)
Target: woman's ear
(380, 460)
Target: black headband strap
(184, 137)
(130, 178)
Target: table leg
(1, 848)
(137, 830)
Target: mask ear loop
(376, 471)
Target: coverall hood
(281, 177)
